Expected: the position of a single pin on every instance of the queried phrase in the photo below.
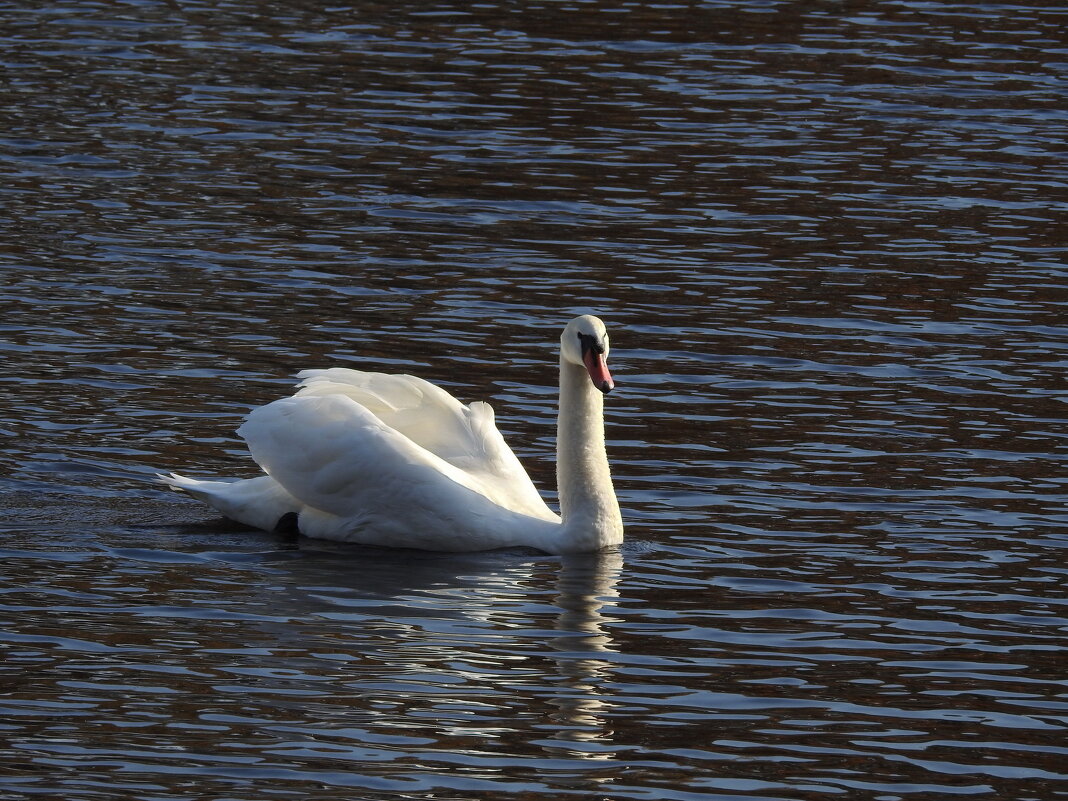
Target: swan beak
(598, 370)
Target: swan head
(585, 343)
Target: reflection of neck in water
(586, 582)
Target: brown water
(829, 241)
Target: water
(828, 240)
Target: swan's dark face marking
(590, 342)
(593, 349)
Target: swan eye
(589, 342)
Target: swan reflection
(488, 656)
(586, 584)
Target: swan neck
(588, 506)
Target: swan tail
(179, 483)
(258, 502)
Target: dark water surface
(829, 240)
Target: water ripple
(827, 242)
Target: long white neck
(588, 505)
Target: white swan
(393, 460)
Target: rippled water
(829, 241)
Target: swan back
(464, 437)
(423, 412)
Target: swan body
(393, 460)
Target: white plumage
(394, 460)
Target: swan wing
(337, 458)
(465, 437)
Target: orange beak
(598, 370)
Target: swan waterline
(395, 461)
